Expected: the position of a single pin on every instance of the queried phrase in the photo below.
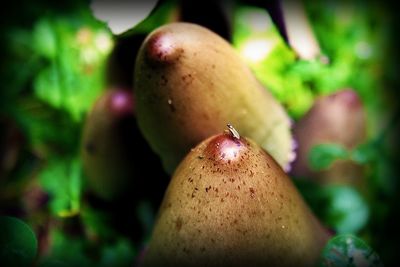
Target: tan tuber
(338, 118)
(190, 82)
(230, 204)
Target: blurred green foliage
(358, 45)
(62, 180)
(80, 253)
(273, 62)
(354, 43)
(55, 68)
(322, 156)
(69, 53)
(341, 207)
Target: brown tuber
(190, 82)
(338, 118)
(106, 160)
(115, 156)
(230, 204)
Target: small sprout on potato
(233, 131)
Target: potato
(338, 118)
(115, 156)
(230, 204)
(189, 83)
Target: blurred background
(59, 57)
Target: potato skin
(117, 160)
(105, 159)
(336, 118)
(190, 83)
(230, 204)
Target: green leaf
(364, 153)
(340, 207)
(47, 86)
(75, 251)
(44, 39)
(323, 155)
(346, 211)
(62, 179)
(67, 251)
(18, 244)
(349, 251)
(120, 254)
(76, 49)
(98, 223)
(48, 130)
